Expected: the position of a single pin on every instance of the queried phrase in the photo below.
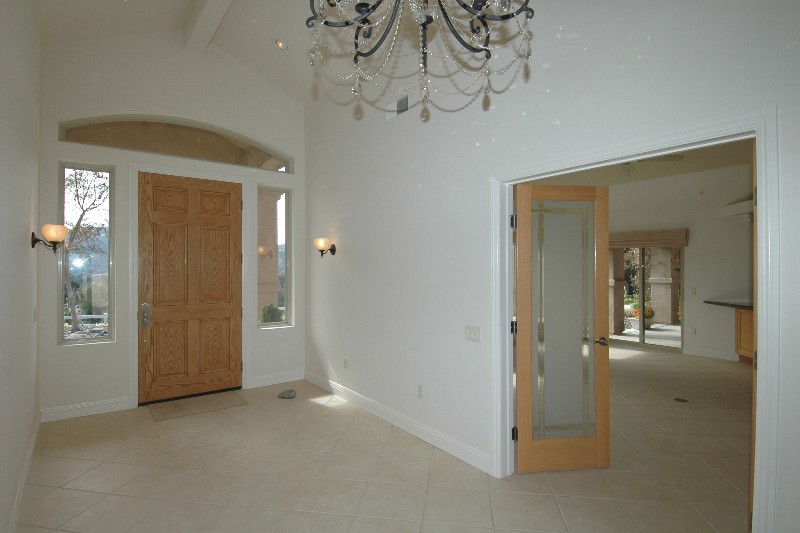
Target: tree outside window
(86, 259)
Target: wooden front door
(562, 371)
(190, 286)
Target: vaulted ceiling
(245, 29)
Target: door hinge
(514, 434)
(513, 327)
(755, 359)
(242, 205)
(513, 221)
(755, 196)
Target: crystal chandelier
(454, 48)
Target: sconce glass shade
(54, 232)
(52, 236)
(322, 244)
(262, 250)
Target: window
(86, 261)
(273, 296)
(166, 136)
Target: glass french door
(562, 381)
(653, 296)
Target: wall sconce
(264, 251)
(52, 236)
(324, 245)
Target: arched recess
(171, 136)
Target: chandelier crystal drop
(385, 49)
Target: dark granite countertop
(739, 303)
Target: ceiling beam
(202, 24)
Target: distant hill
(94, 262)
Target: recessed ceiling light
(281, 45)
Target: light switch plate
(472, 333)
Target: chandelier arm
(460, 39)
(477, 11)
(475, 31)
(465, 21)
(423, 28)
(368, 10)
(386, 32)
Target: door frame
(760, 126)
(133, 282)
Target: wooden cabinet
(745, 326)
(745, 345)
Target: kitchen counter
(744, 325)
(738, 303)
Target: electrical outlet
(419, 391)
(694, 331)
(694, 291)
(346, 362)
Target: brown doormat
(196, 405)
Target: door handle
(602, 341)
(144, 315)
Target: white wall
(20, 80)
(409, 203)
(151, 75)
(717, 261)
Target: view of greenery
(86, 253)
(276, 313)
(270, 313)
(282, 275)
(633, 285)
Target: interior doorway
(655, 258)
(758, 127)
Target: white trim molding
(274, 379)
(19, 500)
(63, 412)
(466, 453)
(715, 354)
(761, 126)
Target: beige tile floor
(319, 464)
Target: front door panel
(189, 285)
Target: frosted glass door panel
(562, 294)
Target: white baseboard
(716, 354)
(119, 404)
(274, 379)
(466, 453)
(20, 498)
(82, 409)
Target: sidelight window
(85, 270)
(273, 258)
